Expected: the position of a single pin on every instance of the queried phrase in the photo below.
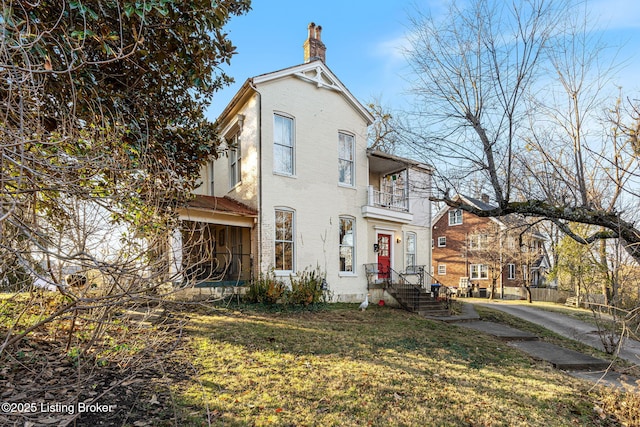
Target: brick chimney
(313, 46)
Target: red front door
(384, 256)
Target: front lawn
(380, 367)
(200, 365)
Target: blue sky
(363, 40)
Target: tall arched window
(283, 145)
(347, 244)
(410, 249)
(235, 160)
(284, 240)
(346, 167)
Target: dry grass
(336, 366)
(342, 367)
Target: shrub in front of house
(267, 289)
(306, 287)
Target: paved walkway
(574, 363)
(467, 314)
(566, 326)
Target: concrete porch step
(418, 300)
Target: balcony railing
(397, 201)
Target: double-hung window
(346, 159)
(212, 174)
(512, 271)
(284, 241)
(410, 250)
(479, 271)
(478, 241)
(235, 161)
(347, 242)
(455, 217)
(283, 145)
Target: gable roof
(504, 222)
(478, 204)
(315, 72)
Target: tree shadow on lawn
(346, 366)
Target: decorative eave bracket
(320, 79)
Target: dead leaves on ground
(46, 385)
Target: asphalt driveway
(564, 325)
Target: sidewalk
(468, 313)
(572, 362)
(566, 326)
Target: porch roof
(221, 204)
(385, 163)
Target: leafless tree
(384, 133)
(477, 72)
(520, 97)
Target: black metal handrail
(414, 270)
(407, 294)
(411, 296)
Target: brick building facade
(478, 250)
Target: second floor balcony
(390, 206)
(396, 183)
(395, 200)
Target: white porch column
(371, 196)
(175, 256)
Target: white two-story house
(297, 188)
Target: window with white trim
(478, 241)
(442, 242)
(410, 249)
(212, 174)
(347, 244)
(479, 271)
(511, 273)
(283, 145)
(442, 269)
(346, 168)
(284, 240)
(235, 161)
(455, 217)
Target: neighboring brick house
(468, 249)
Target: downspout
(501, 267)
(259, 172)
